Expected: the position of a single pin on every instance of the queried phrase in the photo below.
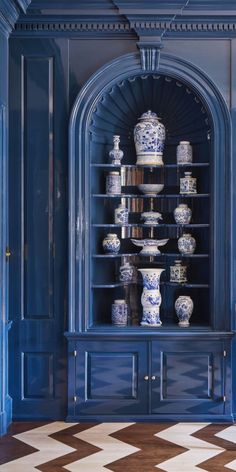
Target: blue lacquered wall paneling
(5, 400)
(231, 241)
(38, 228)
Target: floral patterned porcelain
(119, 313)
(116, 154)
(186, 244)
(111, 243)
(188, 184)
(184, 309)
(151, 218)
(113, 183)
(151, 297)
(182, 214)
(150, 246)
(184, 153)
(121, 214)
(149, 139)
(178, 273)
(128, 272)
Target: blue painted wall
(5, 400)
(46, 74)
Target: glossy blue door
(189, 378)
(38, 228)
(110, 378)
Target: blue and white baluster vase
(151, 297)
(184, 308)
(116, 154)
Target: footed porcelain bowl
(150, 246)
(150, 189)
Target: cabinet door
(110, 378)
(189, 378)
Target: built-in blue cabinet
(168, 372)
(150, 379)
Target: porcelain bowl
(150, 189)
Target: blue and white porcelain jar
(111, 244)
(188, 184)
(186, 244)
(119, 313)
(127, 273)
(184, 309)
(121, 215)
(116, 154)
(178, 273)
(182, 214)
(184, 153)
(149, 139)
(113, 183)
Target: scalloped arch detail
(96, 115)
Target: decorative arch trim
(79, 135)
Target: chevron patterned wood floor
(136, 447)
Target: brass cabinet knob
(146, 377)
(153, 377)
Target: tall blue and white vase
(116, 154)
(151, 297)
(184, 153)
(121, 215)
(149, 139)
(184, 309)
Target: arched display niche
(191, 108)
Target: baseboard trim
(153, 418)
(6, 415)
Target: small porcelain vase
(127, 273)
(182, 214)
(121, 215)
(151, 218)
(151, 297)
(119, 313)
(149, 139)
(184, 309)
(184, 153)
(188, 184)
(178, 273)
(113, 183)
(186, 244)
(111, 244)
(116, 154)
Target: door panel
(38, 227)
(190, 379)
(109, 378)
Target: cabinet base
(152, 418)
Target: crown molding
(10, 11)
(191, 27)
